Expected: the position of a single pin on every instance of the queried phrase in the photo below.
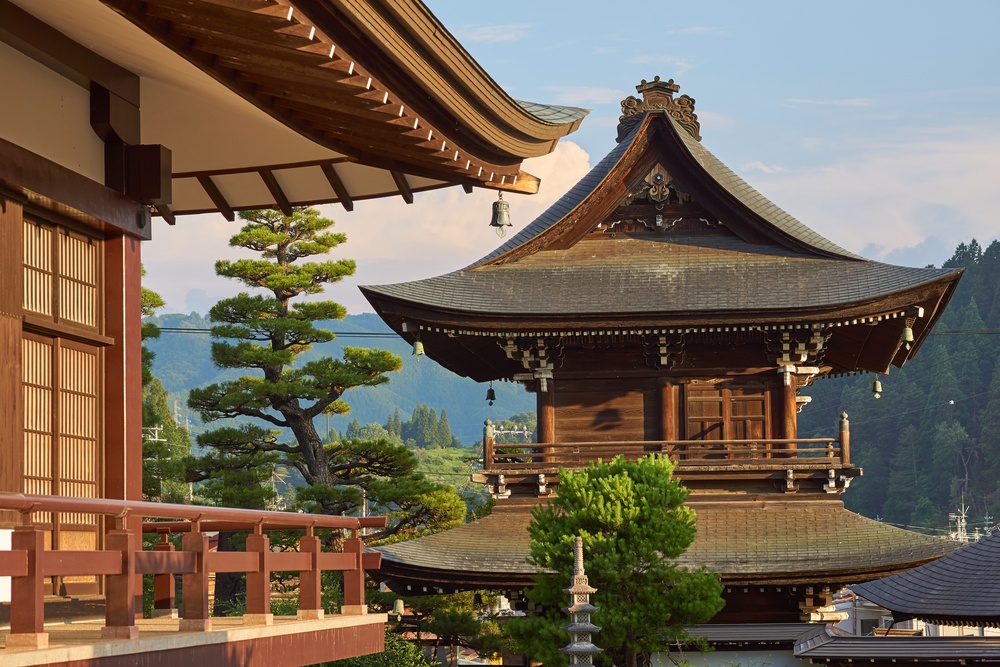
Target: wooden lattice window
(62, 270)
(726, 411)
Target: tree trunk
(230, 587)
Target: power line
(341, 334)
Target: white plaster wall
(48, 115)
(5, 535)
(731, 659)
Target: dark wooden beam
(43, 43)
(64, 191)
(275, 189)
(166, 214)
(212, 190)
(467, 187)
(404, 187)
(338, 186)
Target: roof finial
(658, 95)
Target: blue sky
(875, 123)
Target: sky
(876, 123)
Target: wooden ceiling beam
(213, 192)
(404, 187)
(166, 214)
(275, 189)
(338, 186)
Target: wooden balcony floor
(79, 642)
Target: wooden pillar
(123, 378)
(668, 412)
(259, 582)
(790, 410)
(310, 584)
(27, 609)
(547, 419)
(194, 611)
(164, 586)
(354, 580)
(546, 402)
(11, 392)
(120, 593)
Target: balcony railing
(122, 559)
(530, 458)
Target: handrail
(28, 563)
(25, 502)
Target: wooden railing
(122, 559)
(545, 457)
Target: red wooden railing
(28, 563)
(530, 458)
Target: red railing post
(27, 594)
(354, 580)
(194, 607)
(164, 585)
(310, 581)
(119, 604)
(259, 582)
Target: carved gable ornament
(658, 95)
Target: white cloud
(766, 168)
(679, 64)
(585, 94)
(845, 102)
(443, 230)
(510, 32)
(898, 194)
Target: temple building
(664, 305)
(117, 114)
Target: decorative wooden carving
(658, 95)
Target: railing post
(194, 607)
(119, 604)
(845, 439)
(259, 582)
(354, 580)
(310, 581)
(488, 452)
(164, 585)
(27, 594)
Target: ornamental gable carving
(658, 95)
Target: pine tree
(265, 334)
(633, 522)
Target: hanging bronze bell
(491, 395)
(907, 337)
(418, 349)
(501, 216)
(877, 389)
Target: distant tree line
(932, 441)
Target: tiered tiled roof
(961, 589)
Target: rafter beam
(275, 189)
(338, 186)
(166, 214)
(213, 192)
(404, 187)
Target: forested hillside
(933, 438)
(183, 361)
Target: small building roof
(962, 588)
(832, 646)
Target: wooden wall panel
(78, 279)
(39, 268)
(607, 416)
(11, 396)
(78, 428)
(38, 356)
